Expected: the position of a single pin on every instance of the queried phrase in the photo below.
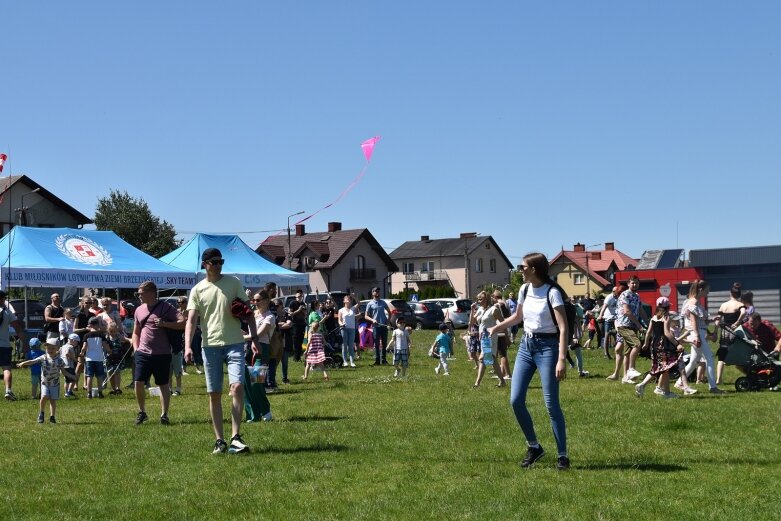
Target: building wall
(564, 274)
(41, 212)
(338, 277)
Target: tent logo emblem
(83, 249)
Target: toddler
(68, 355)
(400, 344)
(442, 346)
(50, 364)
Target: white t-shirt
(610, 307)
(348, 317)
(485, 318)
(536, 313)
(64, 350)
(265, 318)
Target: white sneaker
(658, 390)
(632, 373)
(436, 370)
(627, 380)
(447, 374)
(688, 391)
(267, 417)
(352, 364)
(344, 364)
(639, 390)
(395, 374)
(679, 385)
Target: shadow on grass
(644, 467)
(316, 418)
(319, 447)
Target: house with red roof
(336, 259)
(580, 271)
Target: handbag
(277, 347)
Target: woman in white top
(695, 320)
(347, 323)
(486, 316)
(544, 347)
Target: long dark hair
(735, 290)
(697, 286)
(539, 263)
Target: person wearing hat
(212, 301)
(378, 314)
(68, 355)
(665, 350)
(94, 351)
(8, 318)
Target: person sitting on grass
(51, 364)
(34, 353)
(315, 351)
(441, 345)
(400, 343)
(93, 350)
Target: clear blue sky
(540, 123)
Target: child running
(34, 353)
(400, 343)
(315, 351)
(115, 361)
(68, 355)
(442, 346)
(50, 364)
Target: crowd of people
(255, 335)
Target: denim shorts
(95, 369)
(177, 363)
(52, 391)
(214, 357)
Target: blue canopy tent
(240, 260)
(66, 257)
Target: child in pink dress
(315, 351)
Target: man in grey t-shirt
(377, 313)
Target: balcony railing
(425, 275)
(357, 274)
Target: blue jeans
(542, 354)
(380, 334)
(348, 344)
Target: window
(408, 267)
(492, 265)
(479, 265)
(360, 262)
(579, 279)
(427, 266)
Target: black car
(34, 312)
(428, 315)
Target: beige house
(25, 202)
(468, 264)
(580, 272)
(336, 260)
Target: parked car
(397, 308)
(427, 316)
(34, 312)
(337, 296)
(456, 310)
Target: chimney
(468, 235)
(334, 227)
(610, 246)
(424, 238)
(579, 247)
(300, 230)
(596, 255)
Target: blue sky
(648, 124)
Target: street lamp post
(290, 253)
(23, 210)
(588, 272)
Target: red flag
(3, 157)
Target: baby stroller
(762, 371)
(333, 348)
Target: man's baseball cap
(210, 253)
(34, 342)
(74, 336)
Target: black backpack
(569, 307)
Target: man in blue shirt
(377, 313)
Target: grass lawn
(366, 446)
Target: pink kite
(368, 147)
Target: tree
(133, 221)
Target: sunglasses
(215, 262)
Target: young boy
(443, 341)
(400, 344)
(34, 353)
(68, 355)
(94, 349)
(50, 364)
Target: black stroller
(762, 371)
(333, 348)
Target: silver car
(456, 310)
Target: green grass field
(366, 446)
